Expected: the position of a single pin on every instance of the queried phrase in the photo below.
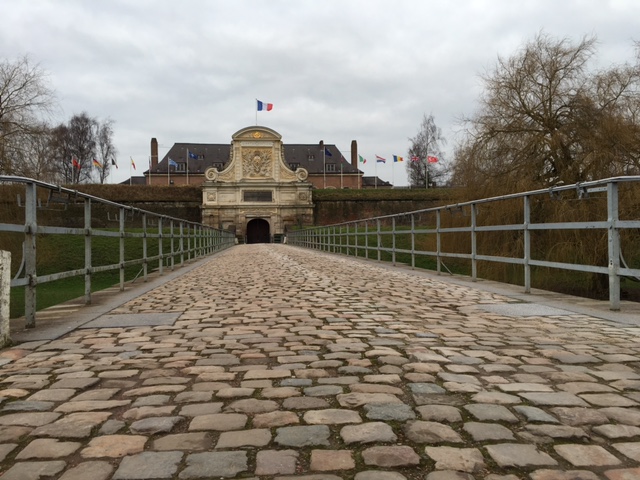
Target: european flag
(192, 155)
(173, 163)
(327, 152)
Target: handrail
(200, 240)
(351, 239)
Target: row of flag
(98, 164)
(269, 106)
(396, 158)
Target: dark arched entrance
(258, 231)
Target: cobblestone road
(272, 362)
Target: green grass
(60, 253)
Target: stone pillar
(5, 287)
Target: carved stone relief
(257, 164)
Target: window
(311, 157)
(331, 167)
(257, 195)
(294, 166)
(182, 167)
(219, 166)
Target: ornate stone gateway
(257, 195)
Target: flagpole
(324, 168)
(376, 175)
(187, 165)
(130, 172)
(393, 168)
(256, 107)
(426, 173)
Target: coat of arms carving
(257, 163)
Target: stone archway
(258, 231)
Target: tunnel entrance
(258, 231)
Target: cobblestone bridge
(273, 362)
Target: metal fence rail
(176, 239)
(378, 235)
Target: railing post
(527, 244)
(31, 230)
(614, 246)
(355, 236)
(366, 240)
(378, 238)
(393, 241)
(160, 252)
(121, 248)
(438, 243)
(87, 251)
(413, 241)
(474, 262)
(173, 251)
(181, 244)
(145, 255)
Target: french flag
(265, 106)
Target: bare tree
(427, 145)
(83, 149)
(545, 118)
(106, 151)
(25, 99)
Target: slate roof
(307, 156)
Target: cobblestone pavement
(273, 362)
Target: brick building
(185, 163)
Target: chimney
(154, 154)
(354, 154)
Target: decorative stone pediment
(256, 155)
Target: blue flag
(192, 155)
(173, 163)
(327, 152)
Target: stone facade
(256, 195)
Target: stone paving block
(257, 437)
(331, 416)
(47, 448)
(491, 413)
(95, 470)
(196, 441)
(218, 422)
(73, 425)
(377, 475)
(457, 459)
(274, 462)
(331, 460)
(629, 449)
(518, 455)
(155, 425)
(148, 465)
(303, 436)
(623, 474)
(545, 474)
(420, 431)
(586, 455)
(114, 446)
(34, 470)
(369, 432)
(224, 464)
(391, 456)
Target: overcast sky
(336, 70)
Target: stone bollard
(5, 288)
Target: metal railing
(176, 238)
(376, 236)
